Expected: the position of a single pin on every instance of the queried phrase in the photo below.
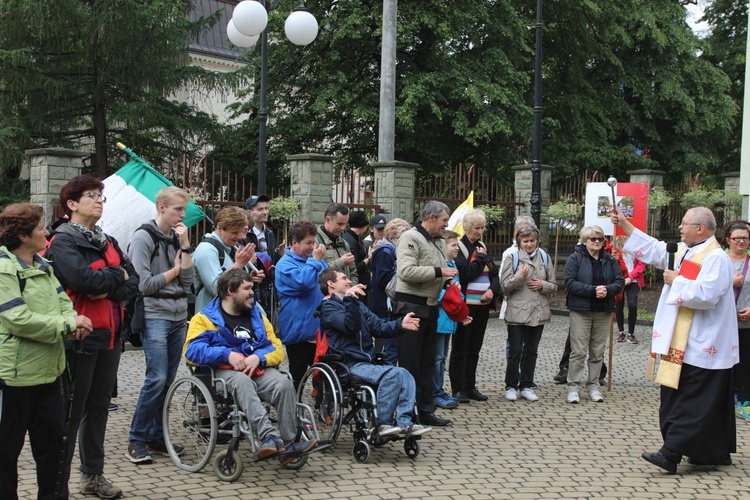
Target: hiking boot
(97, 484)
(446, 402)
(270, 446)
(294, 450)
(528, 394)
(159, 446)
(138, 454)
(561, 377)
(631, 339)
(621, 337)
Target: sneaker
(511, 394)
(160, 447)
(573, 397)
(528, 394)
(388, 430)
(416, 430)
(112, 407)
(621, 337)
(295, 450)
(446, 402)
(97, 484)
(561, 377)
(270, 446)
(742, 410)
(138, 454)
(596, 396)
(632, 339)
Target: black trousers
(301, 357)
(94, 376)
(40, 410)
(524, 341)
(416, 352)
(465, 347)
(565, 359)
(697, 419)
(742, 369)
(631, 296)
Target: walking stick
(612, 182)
(68, 412)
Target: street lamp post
(249, 23)
(536, 164)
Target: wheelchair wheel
(361, 451)
(411, 447)
(321, 391)
(228, 468)
(295, 464)
(189, 423)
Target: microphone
(671, 250)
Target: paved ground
(497, 449)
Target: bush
(14, 191)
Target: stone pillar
(49, 170)
(652, 178)
(522, 190)
(394, 181)
(312, 185)
(732, 186)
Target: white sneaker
(573, 397)
(596, 396)
(510, 394)
(388, 430)
(528, 394)
(416, 429)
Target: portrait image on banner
(631, 199)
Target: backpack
(133, 321)
(390, 288)
(465, 251)
(545, 260)
(219, 246)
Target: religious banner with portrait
(631, 199)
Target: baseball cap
(378, 222)
(250, 202)
(454, 305)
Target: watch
(187, 250)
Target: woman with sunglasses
(98, 277)
(592, 279)
(735, 240)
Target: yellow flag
(455, 223)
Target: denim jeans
(396, 391)
(162, 345)
(441, 354)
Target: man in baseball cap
(377, 225)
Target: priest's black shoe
(726, 461)
(660, 460)
(474, 394)
(433, 420)
(461, 397)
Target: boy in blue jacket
(232, 336)
(350, 327)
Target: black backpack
(133, 321)
(194, 289)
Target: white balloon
(238, 39)
(300, 27)
(250, 17)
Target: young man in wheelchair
(232, 336)
(350, 326)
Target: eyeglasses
(95, 196)
(683, 223)
(739, 239)
(597, 238)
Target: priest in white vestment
(696, 414)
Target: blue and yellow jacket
(209, 341)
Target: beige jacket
(525, 306)
(419, 260)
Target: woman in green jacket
(35, 314)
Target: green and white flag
(131, 195)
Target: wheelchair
(339, 399)
(199, 414)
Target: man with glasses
(695, 337)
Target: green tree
(91, 72)
(725, 47)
